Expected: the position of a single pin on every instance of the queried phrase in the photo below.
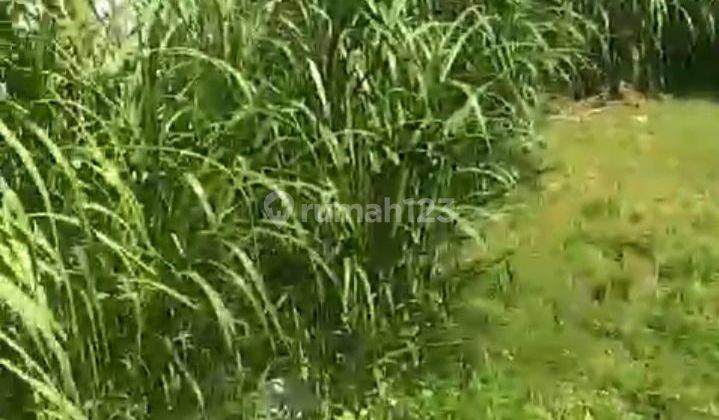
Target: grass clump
(143, 277)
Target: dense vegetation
(139, 274)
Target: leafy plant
(140, 277)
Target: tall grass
(636, 40)
(140, 277)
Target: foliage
(637, 39)
(140, 277)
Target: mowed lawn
(598, 291)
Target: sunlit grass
(604, 304)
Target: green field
(157, 160)
(605, 303)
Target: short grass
(601, 298)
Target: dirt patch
(626, 96)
